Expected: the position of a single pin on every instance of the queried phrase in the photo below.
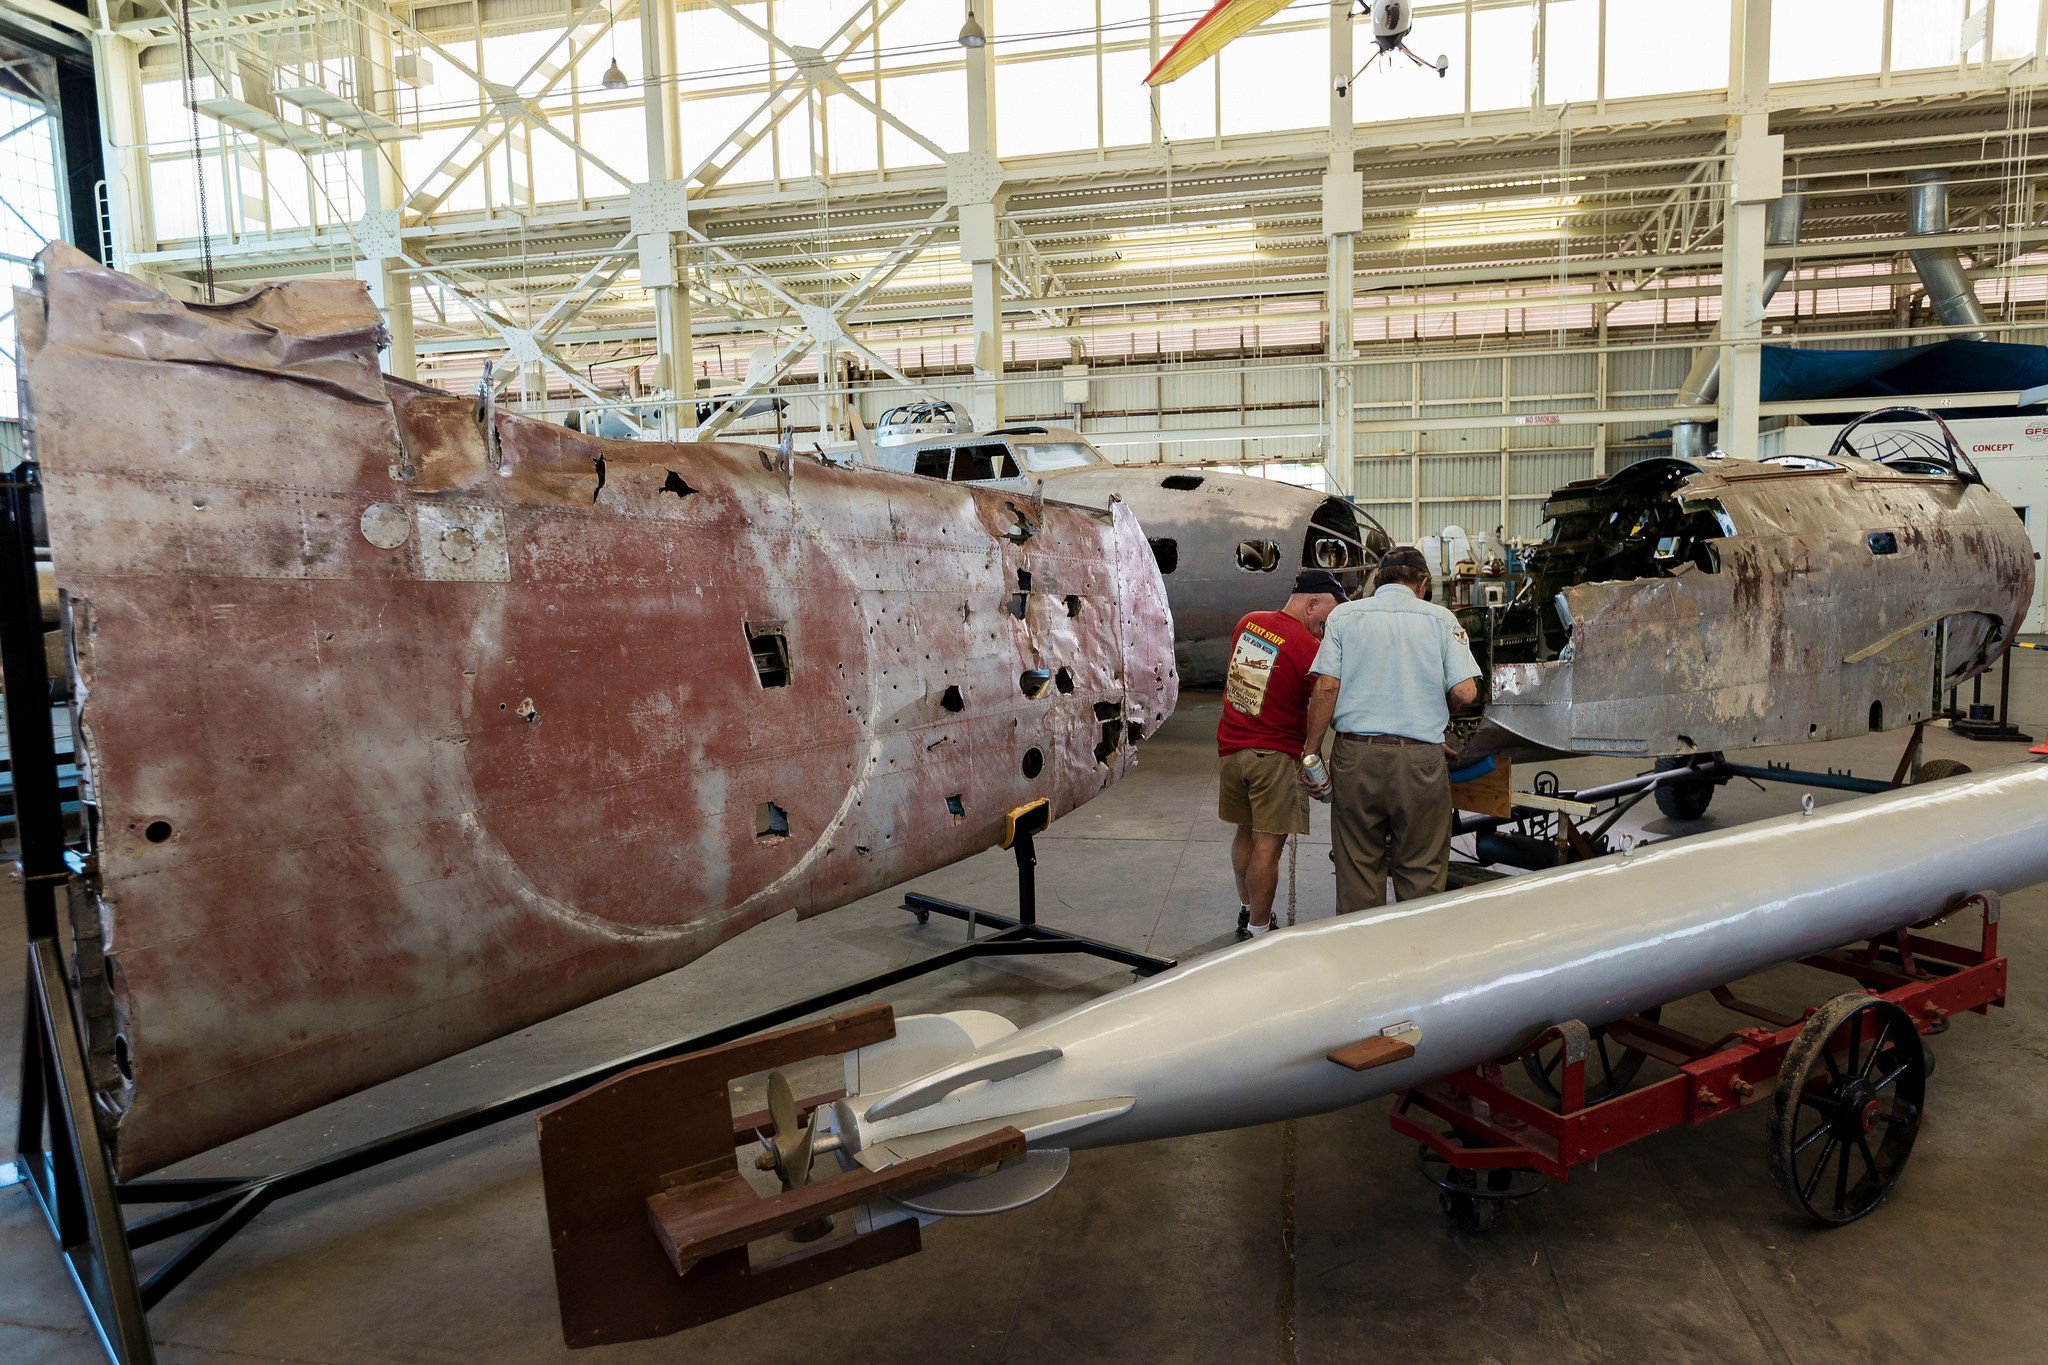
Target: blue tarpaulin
(1791, 374)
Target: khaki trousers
(1390, 809)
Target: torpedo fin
(932, 1090)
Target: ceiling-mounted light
(971, 34)
(614, 79)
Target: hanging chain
(198, 152)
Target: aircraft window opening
(1258, 556)
(770, 821)
(1034, 762)
(974, 463)
(1166, 550)
(1182, 483)
(1033, 682)
(1882, 543)
(933, 463)
(1043, 458)
(769, 646)
(1800, 462)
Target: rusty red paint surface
(443, 735)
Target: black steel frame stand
(1968, 726)
(1024, 936)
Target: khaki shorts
(1262, 788)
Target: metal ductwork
(1948, 289)
(1703, 381)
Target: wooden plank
(605, 1150)
(1363, 1056)
(710, 1216)
(745, 1126)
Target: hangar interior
(1437, 291)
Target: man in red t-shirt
(1259, 739)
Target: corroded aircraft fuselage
(1683, 607)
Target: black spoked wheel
(1610, 1067)
(1683, 800)
(1847, 1108)
(1471, 1200)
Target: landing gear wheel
(1935, 769)
(1610, 1069)
(1847, 1108)
(1683, 800)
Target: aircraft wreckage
(1693, 606)
(405, 723)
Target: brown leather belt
(1384, 739)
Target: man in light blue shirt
(1390, 669)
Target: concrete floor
(1307, 1241)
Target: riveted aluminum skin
(403, 730)
(1241, 1036)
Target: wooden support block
(604, 1151)
(724, 1214)
(1490, 793)
(1371, 1053)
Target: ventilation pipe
(1948, 288)
(1703, 381)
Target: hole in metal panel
(1032, 682)
(955, 806)
(1166, 551)
(952, 700)
(1876, 716)
(123, 1058)
(157, 831)
(1064, 680)
(1034, 762)
(1105, 748)
(770, 649)
(1073, 605)
(1258, 556)
(1182, 482)
(674, 484)
(1134, 730)
(770, 821)
(1882, 543)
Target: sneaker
(1244, 922)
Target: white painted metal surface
(1242, 1036)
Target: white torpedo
(1243, 1036)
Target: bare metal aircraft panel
(403, 729)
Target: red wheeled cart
(1846, 1082)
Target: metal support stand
(1023, 936)
(1980, 723)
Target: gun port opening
(769, 646)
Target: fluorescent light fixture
(1494, 220)
(1186, 244)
